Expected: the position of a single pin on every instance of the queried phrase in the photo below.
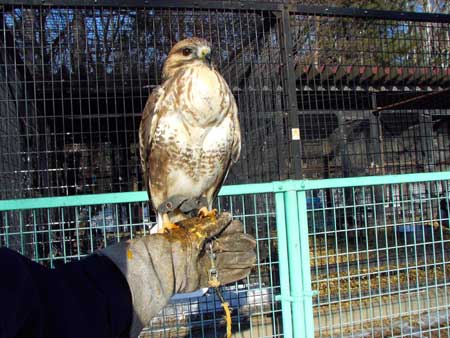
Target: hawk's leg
(203, 212)
(167, 224)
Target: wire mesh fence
(69, 229)
(322, 92)
(380, 260)
(359, 82)
(77, 79)
(355, 257)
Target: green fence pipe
(300, 326)
(283, 259)
(363, 181)
(243, 189)
(307, 292)
(73, 201)
(114, 198)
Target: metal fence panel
(322, 92)
(76, 79)
(380, 257)
(53, 231)
(371, 90)
(356, 257)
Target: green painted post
(294, 263)
(283, 258)
(293, 216)
(305, 264)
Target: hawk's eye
(187, 51)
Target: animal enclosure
(347, 97)
(322, 92)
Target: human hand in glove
(160, 265)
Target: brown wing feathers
(146, 131)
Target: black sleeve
(88, 298)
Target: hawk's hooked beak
(205, 53)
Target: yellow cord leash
(213, 282)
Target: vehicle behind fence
(356, 257)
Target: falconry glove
(160, 265)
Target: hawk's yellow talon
(203, 212)
(168, 227)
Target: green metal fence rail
(353, 257)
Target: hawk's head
(187, 52)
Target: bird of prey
(189, 134)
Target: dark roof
(404, 78)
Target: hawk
(189, 134)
